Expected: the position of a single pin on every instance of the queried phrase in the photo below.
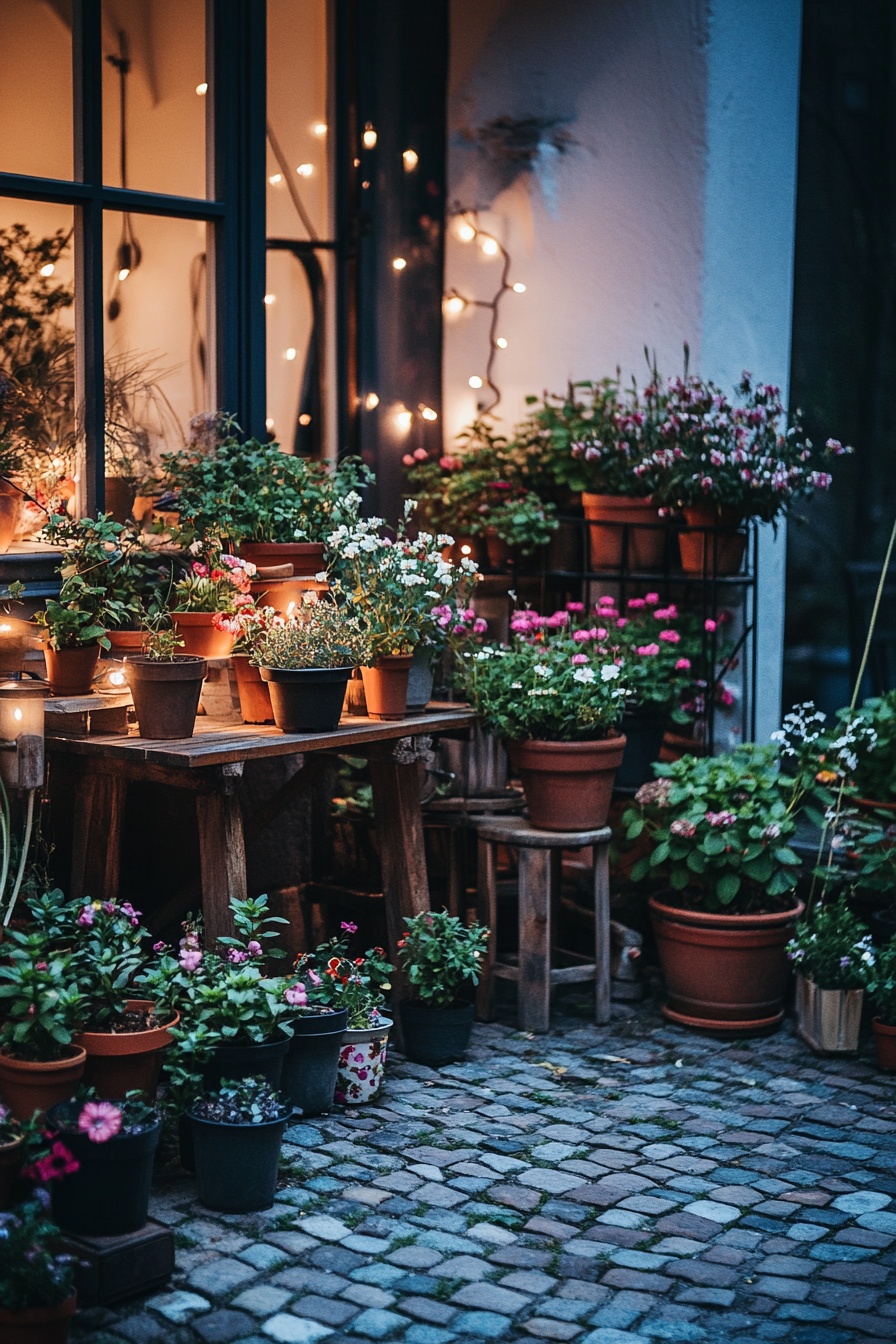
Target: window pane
(298, 286)
(35, 91)
(155, 338)
(298, 136)
(38, 420)
(155, 53)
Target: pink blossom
(606, 601)
(683, 665)
(99, 1120)
(236, 956)
(600, 632)
(636, 603)
(314, 978)
(558, 620)
(407, 460)
(200, 570)
(189, 960)
(85, 919)
(575, 607)
(724, 697)
(348, 927)
(108, 907)
(420, 454)
(158, 947)
(670, 636)
(578, 659)
(680, 826)
(622, 623)
(648, 650)
(296, 995)
(581, 636)
(253, 948)
(651, 599)
(480, 625)
(710, 626)
(721, 818)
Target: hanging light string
(470, 231)
(128, 254)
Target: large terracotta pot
(119, 1062)
(885, 1041)
(286, 594)
(717, 544)
(724, 972)
(38, 1325)
(624, 533)
(124, 641)
(200, 635)
(828, 1019)
(569, 785)
(386, 686)
(255, 698)
(71, 671)
(27, 1086)
(306, 557)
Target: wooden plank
(602, 933)
(222, 860)
(573, 975)
(534, 980)
(487, 914)
(96, 842)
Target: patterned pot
(362, 1063)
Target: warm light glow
(368, 139)
(466, 549)
(500, 342)
(17, 714)
(475, 381)
(320, 129)
(275, 179)
(290, 353)
(410, 158)
(202, 89)
(116, 678)
(124, 272)
(428, 413)
(269, 423)
(489, 247)
(305, 169)
(371, 401)
(398, 263)
(270, 298)
(305, 419)
(5, 629)
(465, 232)
(404, 419)
(519, 287)
(455, 304)
(47, 271)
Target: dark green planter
(436, 1036)
(307, 699)
(236, 1165)
(233, 1062)
(310, 1067)
(109, 1193)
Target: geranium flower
(253, 948)
(296, 996)
(85, 919)
(100, 1121)
(348, 927)
(236, 956)
(190, 959)
(57, 1163)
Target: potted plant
(39, 1062)
(237, 1134)
(881, 986)
(139, 581)
(392, 584)
(248, 624)
(438, 954)
(871, 775)
(205, 598)
(307, 662)
(76, 621)
(37, 1286)
(318, 1024)
(165, 684)
(832, 954)
(714, 834)
(114, 1145)
(558, 701)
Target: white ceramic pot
(362, 1063)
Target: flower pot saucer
(744, 1026)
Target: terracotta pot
(166, 695)
(386, 686)
(828, 1019)
(71, 671)
(286, 594)
(16, 638)
(569, 785)
(38, 1325)
(255, 698)
(724, 972)
(885, 1041)
(624, 533)
(497, 551)
(119, 1062)
(12, 1155)
(306, 557)
(121, 493)
(10, 516)
(124, 641)
(200, 635)
(27, 1086)
(717, 545)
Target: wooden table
(210, 764)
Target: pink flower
(578, 659)
(599, 633)
(159, 946)
(575, 607)
(85, 919)
(636, 603)
(201, 571)
(407, 460)
(58, 1162)
(670, 636)
(236, 957)
(686, 829)
(651, 599)
(314, 978)
(648, 650)
(480, 625)
(606, 601)
(348, 927)
(558, 620)
(296, 996)
(99, 1120)
(683, 665)
(710, 626)
(189, 960)
(109, 907)
(721, 818)
(581, 636)
(253, 948)
(622, 623)
(420, 454)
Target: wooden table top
(214, 743)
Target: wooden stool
(540, 853)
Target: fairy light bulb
(269, 423)
(398, 263)
(116, 678)
(476, 381)
(305, 169)
(47, 271)
(320, 129)
(519, 287)
(465, 232)
(275, 179)
(124, 272)
(489, 247)
(202, 89)
(454, 304)
(371, 401)
(368, 139)
(404, 419)
(290, 353)
(410, 158)
(500, 342)
(270, 298)
(428, 413)
(466, 549)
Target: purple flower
(158, 947)
(236, 957)
(85, 919)
(348, 927)
(189, 960)
(253, 948)
(296, 996)
(844, 962)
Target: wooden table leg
(602, 933)
(487, 914)
(222, 858)
(96, 841)
(534, 919)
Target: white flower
(351, 551)
(583, 674)
(516, 685)
(321, 577)
(609, 672)
(542, 671)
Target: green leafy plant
(251, 1101)
(43, 1007)
(439, 953)
(873, 730)
(831, 947)
(329, 975)
(881, 983)
(36, 1273)
(107, 944)
(160, 640)
(321, 635)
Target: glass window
(298, 190)
(36, 91)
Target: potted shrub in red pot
(37, 1283)
(439, 954)
(39, 1062)
(557, 700)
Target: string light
(518, 287)
(398, 263)
(115, 679)
(202, 89)
(290, 353)
(476, 381)
(320, 129)
(410, 158)
(270, 298)
(47, 271)
(455, 304)
(305, 419)
(490, 247)
(305, 169)
(124, 272)
(269, 424)
(275, 179)
(428, 413)
(368, 139)
(500, 342)
(465, 232)
(371, 401)
(404, 419)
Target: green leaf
(727, 887)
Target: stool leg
(534, 983)
(456, 885)
(487, 912)
(602, 933)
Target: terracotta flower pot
(71, 671)
(306, 557)
(166, 695)
(569, 785)
(255, 698)
(38, 1325)
(124, 641)
(27, 1086)
(828, 1019)
(119, 1062)
(624, 533)
(885, 1042)
(724, 972)
(386, 686)
(717, 544)
(200, 635)
(286, 594)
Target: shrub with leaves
(329, 975)
(321, 635)
(881, 983)
(43, 1008)
(251, 1101)
(831, 947)
(438, 953)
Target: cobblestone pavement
(602, 1185)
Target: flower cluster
(221, 585)
(831, 947)
(248, 624)
(330, 976)
(439, 953)
(319, 635)
(35, 1272)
